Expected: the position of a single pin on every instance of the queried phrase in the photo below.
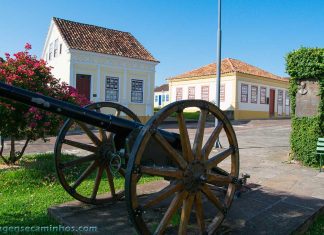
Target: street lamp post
(218, 70)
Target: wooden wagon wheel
(93, 156)
(200, 190)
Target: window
(205, 93)
(191, 93)
(222, 93)
(244, 93)
(163, 98)
(61, 48)
(156, 99)
(287, 99)
(50, 51)
(263, 95)
(112, 89)
(178, 93)
(137, 91)
(55, 47)
(166, 98)
(254, 94)
(280, 97)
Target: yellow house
(103, 64)
(246, 92)
(161, 96)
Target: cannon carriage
(199, 181)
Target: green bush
(306, 63)
(304, 134)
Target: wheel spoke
(211, 140)
(110, 181)
(122, 172)
(219, 180)
(211, 197)
(175, 204)
(79, 145)
(163, 194)
(212, 162)
(102, 135)
(80, 160)
(85, 174)
(89, 133)
(215, 223)
(117, 113)
(161, 171)
(184, 137)
(219, 171)
(199, 134)
(185, 214)
(175, 156)
(199, 212)
(97, 183)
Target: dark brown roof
(101, 40)
(229, 65)
(164, 87)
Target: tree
(22, 122)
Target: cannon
(198, 180)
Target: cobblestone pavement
(283, 195)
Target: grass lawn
(317, 227)
(27, 191)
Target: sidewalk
(283, 197)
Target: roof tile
(229, 65)
(164, 87)
(101, 40)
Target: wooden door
(280, 103)
(83, 83)
(272, 102)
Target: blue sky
(181, 34)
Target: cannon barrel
(107, 122)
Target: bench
(320, 151)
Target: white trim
(148, 108)
(111, 66)
(72, 80)
(99, 83)
(89, 53)
(124, 100)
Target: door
(83, 84)
(272, 102)
(280, 103)
(160, 100)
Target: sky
(181, 34)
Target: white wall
(163, 102)
(228, 81)
(60, 63)
(260, 107)
(99, 66)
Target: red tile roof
(101, 40)
(229, 65)
(164, 87)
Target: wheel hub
(194, 176)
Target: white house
(246, 92)
(103, 64)
(161, 96)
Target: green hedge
(306, 63)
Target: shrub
(19, 121)
(306, 63)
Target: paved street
(281, 196)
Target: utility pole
(218, 78)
